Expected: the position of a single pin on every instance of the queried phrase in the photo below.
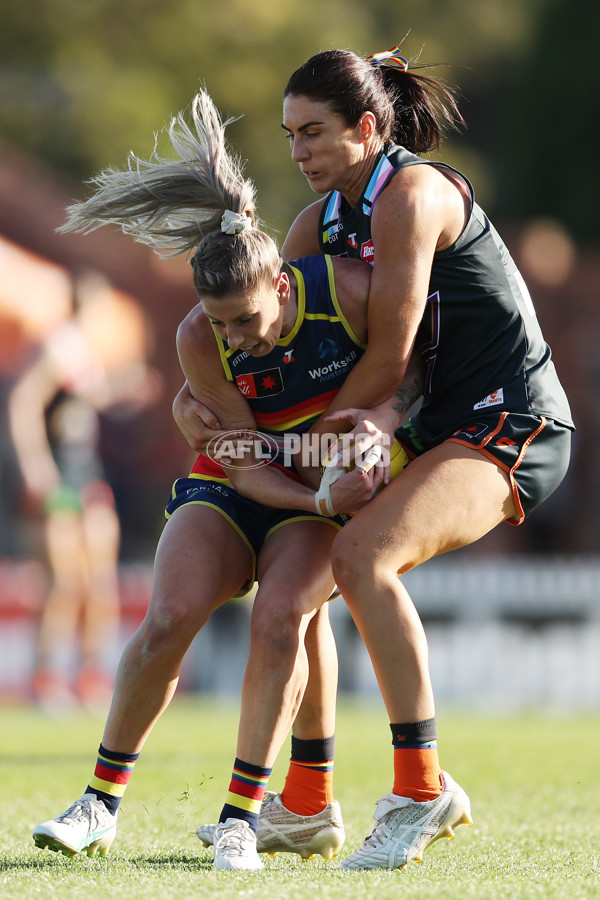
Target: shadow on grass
(180, 861)
(167, 861)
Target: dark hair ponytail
(424, 109)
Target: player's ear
(367, 126)
(283, 288)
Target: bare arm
(197, 423)
(199, 358)
(409, 222)
(352, 282)
(303, 237)
(405, 231)
(201, 364)
(26, 407)
(420, 211)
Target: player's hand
(195, 421)
(350, 493)
(353, 490)
(355, 445)
(41, 479)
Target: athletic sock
(309, 783)
(246, 792)
(417, 772)
(111, 776)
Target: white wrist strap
(331, 473)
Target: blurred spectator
(90, 363)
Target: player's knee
(170, 625)
(358, 562)
(352, 561)
(275, 625)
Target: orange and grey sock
(309, 783)
(417, 772)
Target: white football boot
(405, 828)
(86, 825)
(282, 831)
(235, 847)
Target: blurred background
(513, 620)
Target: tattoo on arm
(407, 394)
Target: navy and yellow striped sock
(111, 776)
(246, 792)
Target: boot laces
(234, 839)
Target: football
(398, 459)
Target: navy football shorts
(254, 522)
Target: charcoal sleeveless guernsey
(290, 387)
(479, 335)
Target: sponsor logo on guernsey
(328, 347)
(288, 356)
(330, 235)
(239, 358)
(333, 369)
(260, 384)
(352, 240)
(493, 399)
(367, 252)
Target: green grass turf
(533, 780)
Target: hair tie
(234, 223)
(389, 58)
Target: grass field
(533, 780)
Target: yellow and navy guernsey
(289, 388)
(479, 337)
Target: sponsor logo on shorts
(493, 399)
(207, 487)
(472, 432)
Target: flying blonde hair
(171, 204)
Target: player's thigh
(294, 565)
(445, 499)
(201, 561)
(102, 533)
(65, 543)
